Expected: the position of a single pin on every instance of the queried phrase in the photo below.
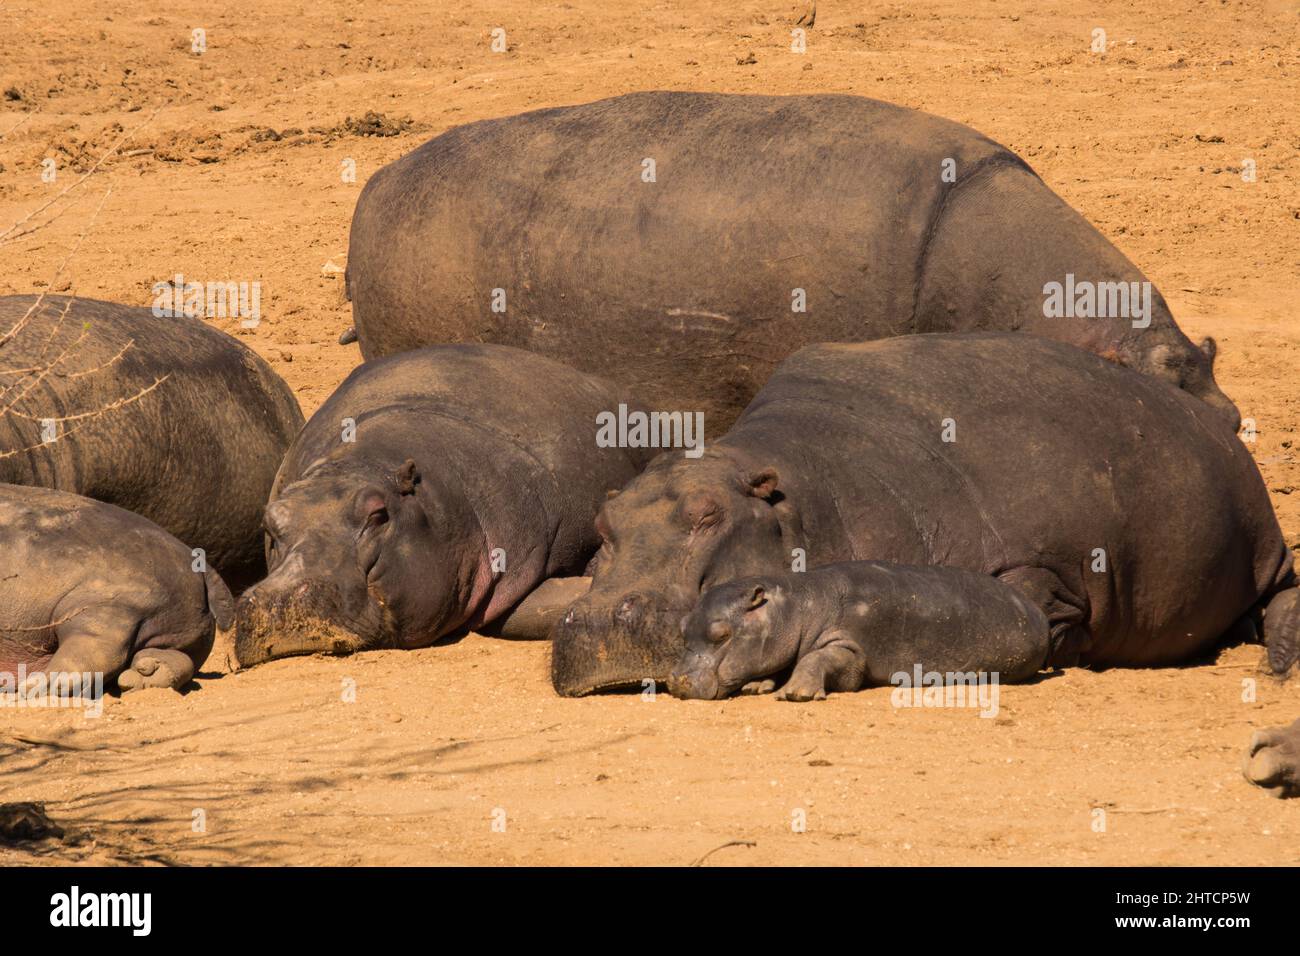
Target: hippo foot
(801, 689)
(1273, 760)
(153, 668)
(759, 687)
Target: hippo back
(167, 417)
(685, 243)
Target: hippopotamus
(1273, 760)
(1107, 497)
(432, 493)
(683, 244)
(167, 417)
(843, 626)
(87, 588)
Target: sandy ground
(461, 753)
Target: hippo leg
(535, 616)
(1282, 630)
(92, 641)
(759, 687)
(835, 662)
(1273, 760)
(153, 667)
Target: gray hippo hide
(89, 588)
(843, 626)
(196, 454)
(431, 493)
(767, 223)
(1126, 510)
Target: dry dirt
(1147, 140)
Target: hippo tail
(220, 603)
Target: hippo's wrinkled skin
(474, 476)
(86, 587)
(857, 623)
(1060, 463)
(196, 455)
(772, 222)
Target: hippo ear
(757, 597)
(408, 476)
(762, 484)
(1209, 348)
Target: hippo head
(734, 636)
(358, 559)
(678, 529)
(1188, 367)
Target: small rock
(25, 822)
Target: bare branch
(7, 236)
(35, 306)
(17, 126)
(83, 418)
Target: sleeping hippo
(1105, 496)
(844, 626)
(431, 493)
(683, 244)
(87, 588)
(167, 417)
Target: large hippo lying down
(196, 454)
(1127, 511)
(432, 492)
(685, 243)
(88, 588)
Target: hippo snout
(285, 622)
(615, 644)
(694, 678)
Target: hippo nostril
(630, 609)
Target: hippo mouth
(593, 650)
(696, 683)
(267, 631)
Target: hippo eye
(701, 511)
(376, 518)
(719, 631)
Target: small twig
(700, 861)
(13, 129)
(1169, 809)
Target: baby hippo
(857, 623)
(87, 588)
